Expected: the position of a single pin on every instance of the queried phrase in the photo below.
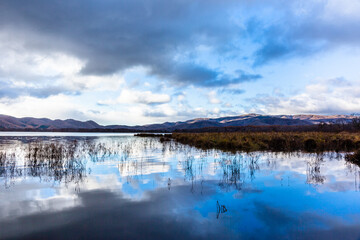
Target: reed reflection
(66, 160)
(51, 161)
(313, 170)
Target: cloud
(212, 98)
(128, 96)
(239, 77)
(8, 90)
(298, 28)
(153, 35)
(110, 37)
(113, 36)
(193, 74)
(24, 72)
(232, 91)
(97, 51)
(330, 96)
(160, 112)
(54, 107)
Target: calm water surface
(117, 186)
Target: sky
(151, 61)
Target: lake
(118, 186)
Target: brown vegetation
(272, 141)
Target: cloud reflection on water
(119, 188)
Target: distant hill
(250, 120)
(8, 122)
(13, 123)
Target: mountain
(250, 120)
(8, 122)
(13, 123)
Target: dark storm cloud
(111, 35)
(201, 76)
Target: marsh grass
(272, 141)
